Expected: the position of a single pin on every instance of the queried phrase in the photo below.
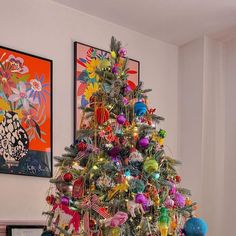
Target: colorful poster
(25, 114)
(85, 86)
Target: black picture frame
(10, 229)
(75, 80)
(49, 172)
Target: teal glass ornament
(140, 109)
(195, 227)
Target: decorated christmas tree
(116, 179)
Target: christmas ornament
(102, 115)
(114, 152)
(172, 189)
(169, 203)
(68, 177)
(104, 182)
(141, 198)
(143, 142)
(122, 52)
(163, 221)
(150, 166)
(81, 146)
(118, 219)
(127, 89)
(115, 69)
(50, 199)
(65, 200)
(140, 109)
(179, 200)
(137, 186)
(121, 119)
(132, 206)
(177, 179)
(162, 133)
(78, 188)
(66, 217)
(195, 227)
(48, 233)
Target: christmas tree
(116, 179)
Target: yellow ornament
(150, 166)
(163, 229)
(113, 54)
(156, 200)
(115, 231)
(118, 188)
(160, 140)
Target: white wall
(48, 29)
(230, 135)
(207, 128)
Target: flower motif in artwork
(17, 64)
(92, 67)
(22, 95)
(6, 81)
(38, 89)
(90, 90)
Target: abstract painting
(84, 85)
(25, 114)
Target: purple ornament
(121, 119)
(179, 200)
(143, 142)
(114, 152)
(122, 52)
(141, 198)
(65, 200)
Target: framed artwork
(84, 85)
(25, 114)
(24, 230)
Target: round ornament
(137, 186)
(179, 200)
(122, 52)
(177, 179)
(135, 155)
(81, 146)
(114, 152)
(50, 199)
(143, 142)
(195, 227)
(48, 233)
(169, 203)
(150, 166)
(121, 119)
(68, 177)
(141, 198)
(140, 109)
(102, 115)
(65, 200)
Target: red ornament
(50, 199)
(78, 188)
(82, 146)
(102, 115)
(68, 177)
(177, 179)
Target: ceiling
(173, 21)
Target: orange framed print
(25, 114)
(85, 84)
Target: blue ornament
(140, 108)
(127, 173)
(195, 227)
(156, 175)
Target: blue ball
(140, 108)
(195, 227)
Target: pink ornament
(118, 219)
(169, 203)
(173, 189)
(65, 201)
(179, 200)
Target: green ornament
(164, 218)
(162, 133)
(150, 166)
